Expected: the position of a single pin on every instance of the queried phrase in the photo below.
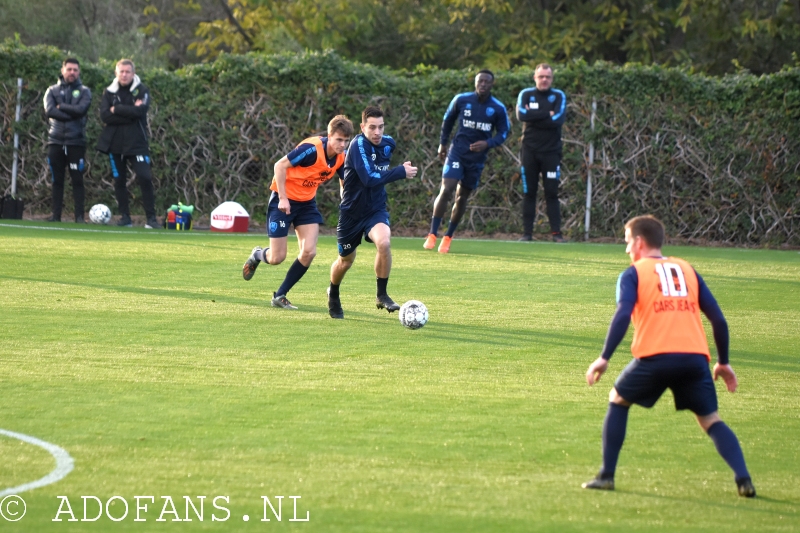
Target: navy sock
(451, 229)
(296, 271)
(382, 282)
(334, 291)
(262, 255)
(728, 447)
(614, 427)
(435, 223)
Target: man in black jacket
(123, 111)
(66, 104)
(541, 110)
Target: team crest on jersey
(387, 150)
(551, 98)
(135, 92)
(325, 173)
(469, 106)
(489, 111)
(76, 93)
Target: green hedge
(715, 158)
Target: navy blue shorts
(302, 213)
(644, 381)
(350, 230)
(468, 173)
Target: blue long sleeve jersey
(476, 121)
(541, 132)
(627, 294)
(366, 172)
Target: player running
(363, 208)
(477, 113)
(293, 201)
(664, 296)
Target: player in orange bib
(664, 297)
(293, 202)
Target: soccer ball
(413, 314)
(100, 214)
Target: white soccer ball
(413, 314)
(100, 214)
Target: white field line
(64, 464)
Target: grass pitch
(148, 358)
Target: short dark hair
(371, 111)
(341, 124)
(486, 71)
(70, 60)
(648, 228)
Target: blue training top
(366, 171)
(476, 121)
(541, 131)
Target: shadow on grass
(164, 293)
(717, 504)
(502, 337)
(497, 336)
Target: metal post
(16, 142)
(589, 175)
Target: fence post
(588, 219)
(16, 141)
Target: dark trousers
(60, 158)
(140, 164)
(549, 166)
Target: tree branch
(232, 19)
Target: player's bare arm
(479, 146)
(596, 370)
(280, 180)
(442, 152)
(411, 171)
(728, 376)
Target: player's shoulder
(388, 140)
(627, 284)
(683, 262)
(527, 90)
(463, 97)
(559, 92)
(496, 102)
(628, 276)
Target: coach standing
(66, 104)
(541, 110)
(123, 111)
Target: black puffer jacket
(125, 130)
(66, 105)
